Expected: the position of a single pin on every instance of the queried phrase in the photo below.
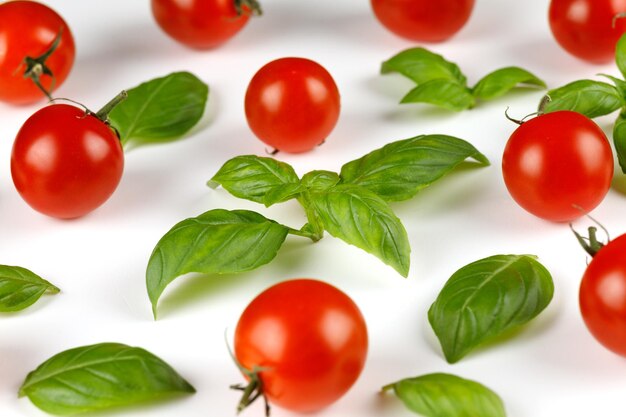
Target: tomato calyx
(248, 7)
(541, 111)
(36, 67)
(253, 389)
(590, 243)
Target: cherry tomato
(308, 338)
(202, 24)
(558, 166)
(66, 163)
(29, 29)
(588, 29)
(292, 104)
(603, 296)
(423, 20)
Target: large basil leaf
(260, 179)
(21, 288)
(445, 395)
(160, 110)
(361, 218)
(501, 81)
(619, 140)
(591, 98)
(99, 377)
(443, 93)
(620, 55)
(421, 65)
(216, 242)
(400, 169)
(487, 297)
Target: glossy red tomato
(586, 28)
(201, 24)
(65, 163)
(309, 338)
(423, 20)
(558, 166)
(603, 296)
(292, 104)
(29, 29)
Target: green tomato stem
(103, 113)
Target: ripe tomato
(586, 28)
(292, 104)
(603, 296)
(202, 24)
(29, 29)
(423, 20)
(558, 166)
(66, 163)
(308, 338)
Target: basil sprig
(486, 298)
(21, 288)
(441, 82)
(98, 377)
(352, 205)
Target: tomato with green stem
(36, 51)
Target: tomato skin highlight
(311, 338)
(28, 29)
(292, 104)
(423, 20)
(200, 24)
(558, 166)
(602, 296)
(64, 163)
(585, 28)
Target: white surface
(552, 368)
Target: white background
(552, 368)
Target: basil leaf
(421, 65)
(591, 98)
(361, 218)
(445, 395)
(259, 179)
(501, 81)
(619, 140)
(160, 110)
(619, 84)
(443, 93)
(99, 377)
(620, 55)
(400, 169)
(320, 180)
(216, 242)
(21, 288)
(487, 297)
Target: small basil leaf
(320, 180)
(21, 288)
(400, 169)
(501, 81)
(99, 377)
(619, 84)
(160, 110)
(253, 178)
(445, 395)
(361, 218)
(443, 93)
(216, 242)
(421, 65)
(620, 55)
(591, 98)
(487, 297)
(619, 140)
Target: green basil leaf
(99, 377)
(421, 65)
(259, 179)
(619, 140)
(160, 110)
(445, 395)
(21, 288)
(591, 98)
(619, 83)
(620, 55)
(216, 242)
(400, 169)
(320, 180)
(487, 297)
(501, 81)
(361, 218)
(443, 93)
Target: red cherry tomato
(65, 163)
(200, 24)
(29, 29)
(603, 296)
(586, 28)
(423, 20)
(558, 166)
(292, 104)
(309, 339)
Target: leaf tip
(212, 184)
